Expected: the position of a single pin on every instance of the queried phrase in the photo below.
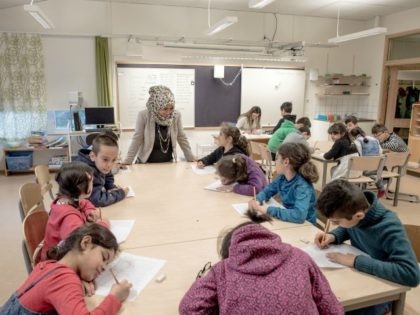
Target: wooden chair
(255, 151)
(360, 164)
(34, 226)
(413, 233)
(396, 164)
(266, 161)
(43, 178)
(30, 198)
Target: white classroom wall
(70, 60)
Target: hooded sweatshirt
(101, 195)
(255, 178)
(262, 275)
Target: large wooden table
(178, 221)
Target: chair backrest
(397, 160)
(90, 137)
(34, 226)
(31, 197)
(255, 150)
(43, 178)
(413, 233)
(366, 163)
(266, 160)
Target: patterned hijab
(160, 97)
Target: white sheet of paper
(131, 192)
(137, 270)
(214, 186)
(202, 171)
(241, 208)
(321, 259)
(121, 229)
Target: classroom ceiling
(349, 9)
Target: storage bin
(19, 161)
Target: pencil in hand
(327, 226)
(113, 275)
(255, 194)
(100, 213)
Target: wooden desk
(262, 138)
(319, 156)
(183, 261)
(172, 206)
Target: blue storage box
(19, 160)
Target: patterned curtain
(22, 86)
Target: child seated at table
(54, 286)
(259, 274)
(230, 142)
(296, 173)
(372, 228)
(342, 150)
(102, 159)
(242, 172)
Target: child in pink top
(259, 274)
(70, 209)
(54, 286)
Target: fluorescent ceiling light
(38, 15)
(222, 24)
(357, 35)
(214, 47)
(258, 4)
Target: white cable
(234, 79)
(208, 13)
(32, 2)
(338, 20)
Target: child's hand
(88, 288)
(329, 238)
(121, 290)
(126, 190)
(93, 216)
(342, 259)
(200, 164)
(255, 205)
(225, 188)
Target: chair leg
(51, 195)
(397, 190)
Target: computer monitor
(99, 116)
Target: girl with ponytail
(54, 286)
(259, 274)
(71, 208)
(296, 173)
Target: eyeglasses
(202, 272)
(377, 135)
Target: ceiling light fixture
(258, 4)
(220, 25)
(366, 33)
(214, 47)
(38, 15)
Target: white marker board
(269, 88)
(133, 92)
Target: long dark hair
(73, 180)
(359, 132)
(232, 168)
(340, 128)
(300, 158)
(101, 236)
(226, 237)
(248, 115)
(238, 140)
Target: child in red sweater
(70, 209)
(54, 286)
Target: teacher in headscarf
(158, 129)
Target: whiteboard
(133, 92)
(269, 88)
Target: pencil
(327, 226)
(113, 275)
(100, 213)
(255, 194)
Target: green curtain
(22, 87)
(102, 71)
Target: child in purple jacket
(243, 170)
(259, 274)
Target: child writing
(70, 209)
(244, 171)
(249, 122)
(294, 185)
(259, 274)
(230, 142)
(342, 149)
(54, 286)
(372, 228)
(102, 158)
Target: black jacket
(292, 118)
(217, 154)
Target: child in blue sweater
(294, 185)
(372, 228)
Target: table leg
(324, 173)
(398, 305)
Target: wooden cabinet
(414, 134)
(343, 85)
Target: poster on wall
(133, 91)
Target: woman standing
(158, 129)
(249, 122)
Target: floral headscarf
(160, 97)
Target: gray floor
(12, 265)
